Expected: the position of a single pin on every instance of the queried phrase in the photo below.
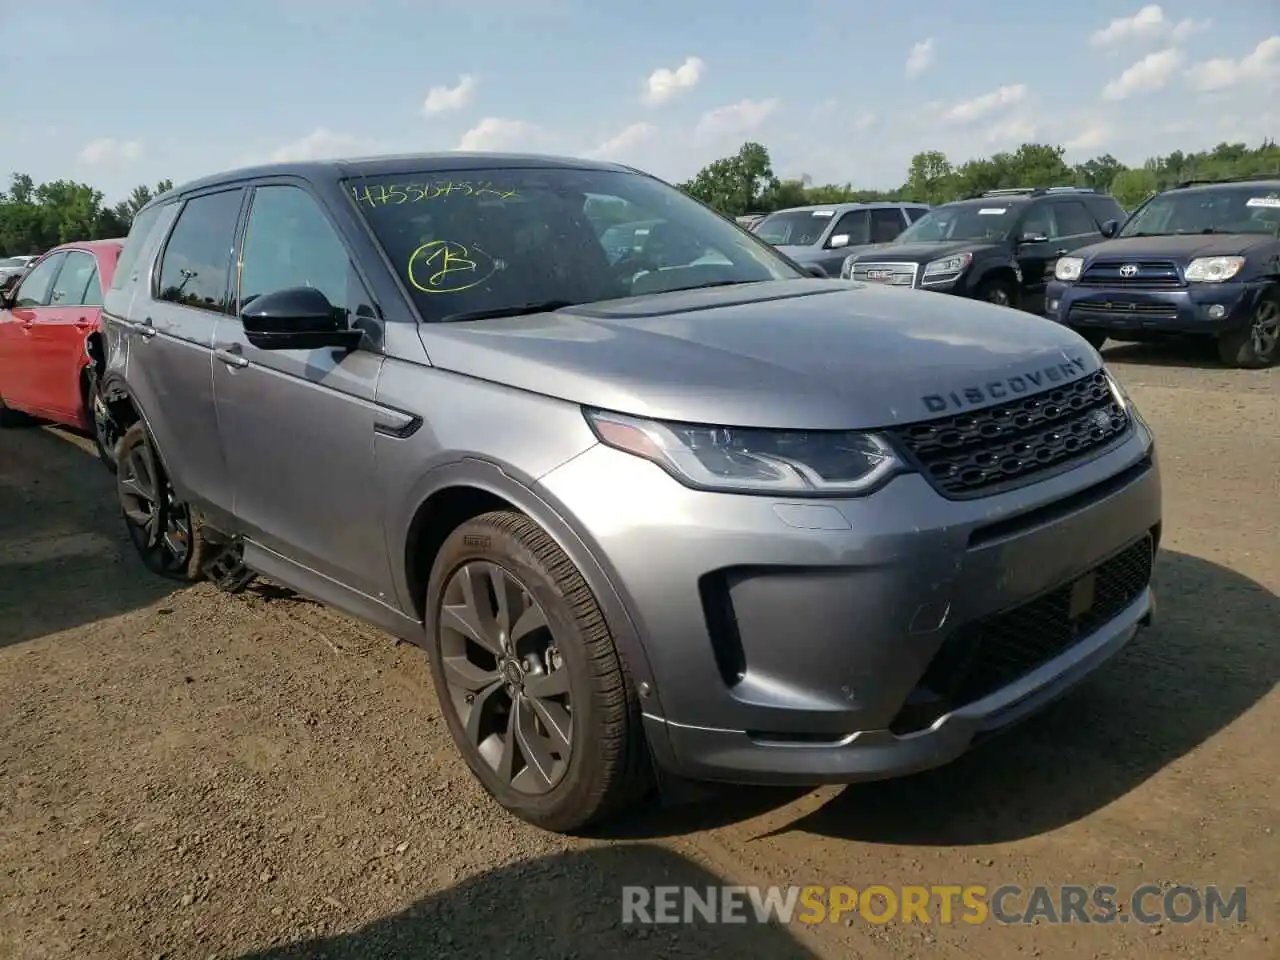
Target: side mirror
(816, 270)
(839, 240)
(299, 318)
(1034, 238)
(1110, 228)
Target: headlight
(947, 266)
(1068, 268)
(846, 268)
(1117, 391)
(1213, 269)
(752, 460)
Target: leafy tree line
(35, 217)
(745, 182)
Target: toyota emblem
(1129, 270)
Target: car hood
(919, 252)
(1182, 247)
(801, 354)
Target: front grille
(1145, 274)
(998, 448)
(1122, 310)
(986, 655)
(889, 274)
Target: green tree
(735, 185)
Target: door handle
(145, 329)
(232, 358)
(1062, 253)
(84, 323)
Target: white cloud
(979, 107)
(1012, 132)
(664, 85)
(737, 119)
(1150, 73)
(498, 134)
(323, 144)
(1148, 24)
(621, 145)
(443, 99)
(109, 150)
(1188, 28)
(1091, 136)
(865, 120)
(920, 58)
(1261, 66)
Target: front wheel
(1256, 346)
(1000, 292)
(159, 525)
(1095, 338)
(530, 683)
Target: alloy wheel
(159, 525)
(505, 676)
(1265, 331)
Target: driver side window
(1040, 221)
(289, 242)
(35, 287)
(856, 225)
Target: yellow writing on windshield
(443, 266)
(394, 194)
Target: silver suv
(684, 514)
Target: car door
(57, 340)
(170, 332)
(298, 425)
(855, 227)
(1036, 257)
(18, 378)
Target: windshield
(1226, 210)
(506, 241)
(798, 228)
(989, 220)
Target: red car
(49, 337)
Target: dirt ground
(189, 774)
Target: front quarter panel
(501, 441)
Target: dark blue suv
(1201, 259)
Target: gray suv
(653, 523)
(824, 235)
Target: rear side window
(196, 264)
(133, 245)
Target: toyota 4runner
(652, 523)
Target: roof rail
(1034, 191)
(1211, 180)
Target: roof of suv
(386, 164)
(849, 205)
(1272, 183)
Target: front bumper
(1201, 308)
(794, 641)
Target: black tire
(1095, 338)
(168, 541)
(1000, 292)
(607, 767)
(1256, 346)
(100, 424)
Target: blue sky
(116, 93)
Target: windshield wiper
(515, 310)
